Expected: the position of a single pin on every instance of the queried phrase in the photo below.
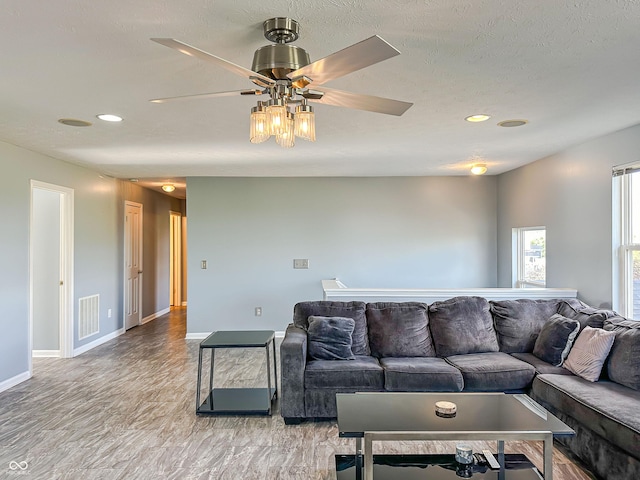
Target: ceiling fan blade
(348, 60)
(370, 103)
(232, 93)
(208, 57)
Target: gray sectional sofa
(469, 344)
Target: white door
(51, 270)
(175, 260)
(132, 264)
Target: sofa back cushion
(322, 308)
(624, 360)
(399, 330)
(518, 322)
(462, 325)
(586, 315)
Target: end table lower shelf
(230, 401)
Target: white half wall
(570, 194)
(398, 232)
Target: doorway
(132, 264)
(175, 259)
(51, 271)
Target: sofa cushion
(420, 374)
(589, 352)
(462, 325)
(608, 409)
(540, 365)
(518, 322)
(586, 315)
(493, 372)
(399, 330)
(322, 308)
(363, 372)
(329, 338)
(555, 339)
(624, 360)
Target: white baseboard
(202, 336)
(45, 353)
(184, 304)
(13, 381)
(98, 342)
(153, 316)
(197, 336)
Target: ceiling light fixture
(74, 122)
(479, 117)
(108, 117)
(513, 123)
(168, 187)
(479, 169)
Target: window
(529, 257)
(626, 240)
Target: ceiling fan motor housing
(276, 61)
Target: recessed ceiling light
(134, 180)
(107, 117)
(479, 117)
(513, 123)
(74, 122)
(479, 169)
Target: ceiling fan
(285, 73)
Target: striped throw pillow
(589, 352)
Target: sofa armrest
(293, 360)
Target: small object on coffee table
(446, 409)
(464, 454)
(491, 460)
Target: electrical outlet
(203, 264)
(258, 311)
(300, 263)
(109, 313)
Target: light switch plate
(300, 263)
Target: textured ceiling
(570, 68)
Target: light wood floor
(125, 410)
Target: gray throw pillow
(555, 339)
(329, 338)
(586, 315)
(518, 322)
(589, 352)
(325, 308)
(399, 330)
(462, 325)
(624, 361)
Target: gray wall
(96, 263)
(369, 232)
(570, 194)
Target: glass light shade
(277, 117)
(305, 123)
(287, 138)
(479, 169)
(259, 128)
(168, 187)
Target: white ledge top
(336, 290)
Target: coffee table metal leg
(213, 354)
(368, 457)
(268, 380)
(275, 366)
(199, 379)
(359, 458)
(548, 457)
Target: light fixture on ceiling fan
(285, 74)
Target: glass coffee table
(380, 416)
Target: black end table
(230, 401)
